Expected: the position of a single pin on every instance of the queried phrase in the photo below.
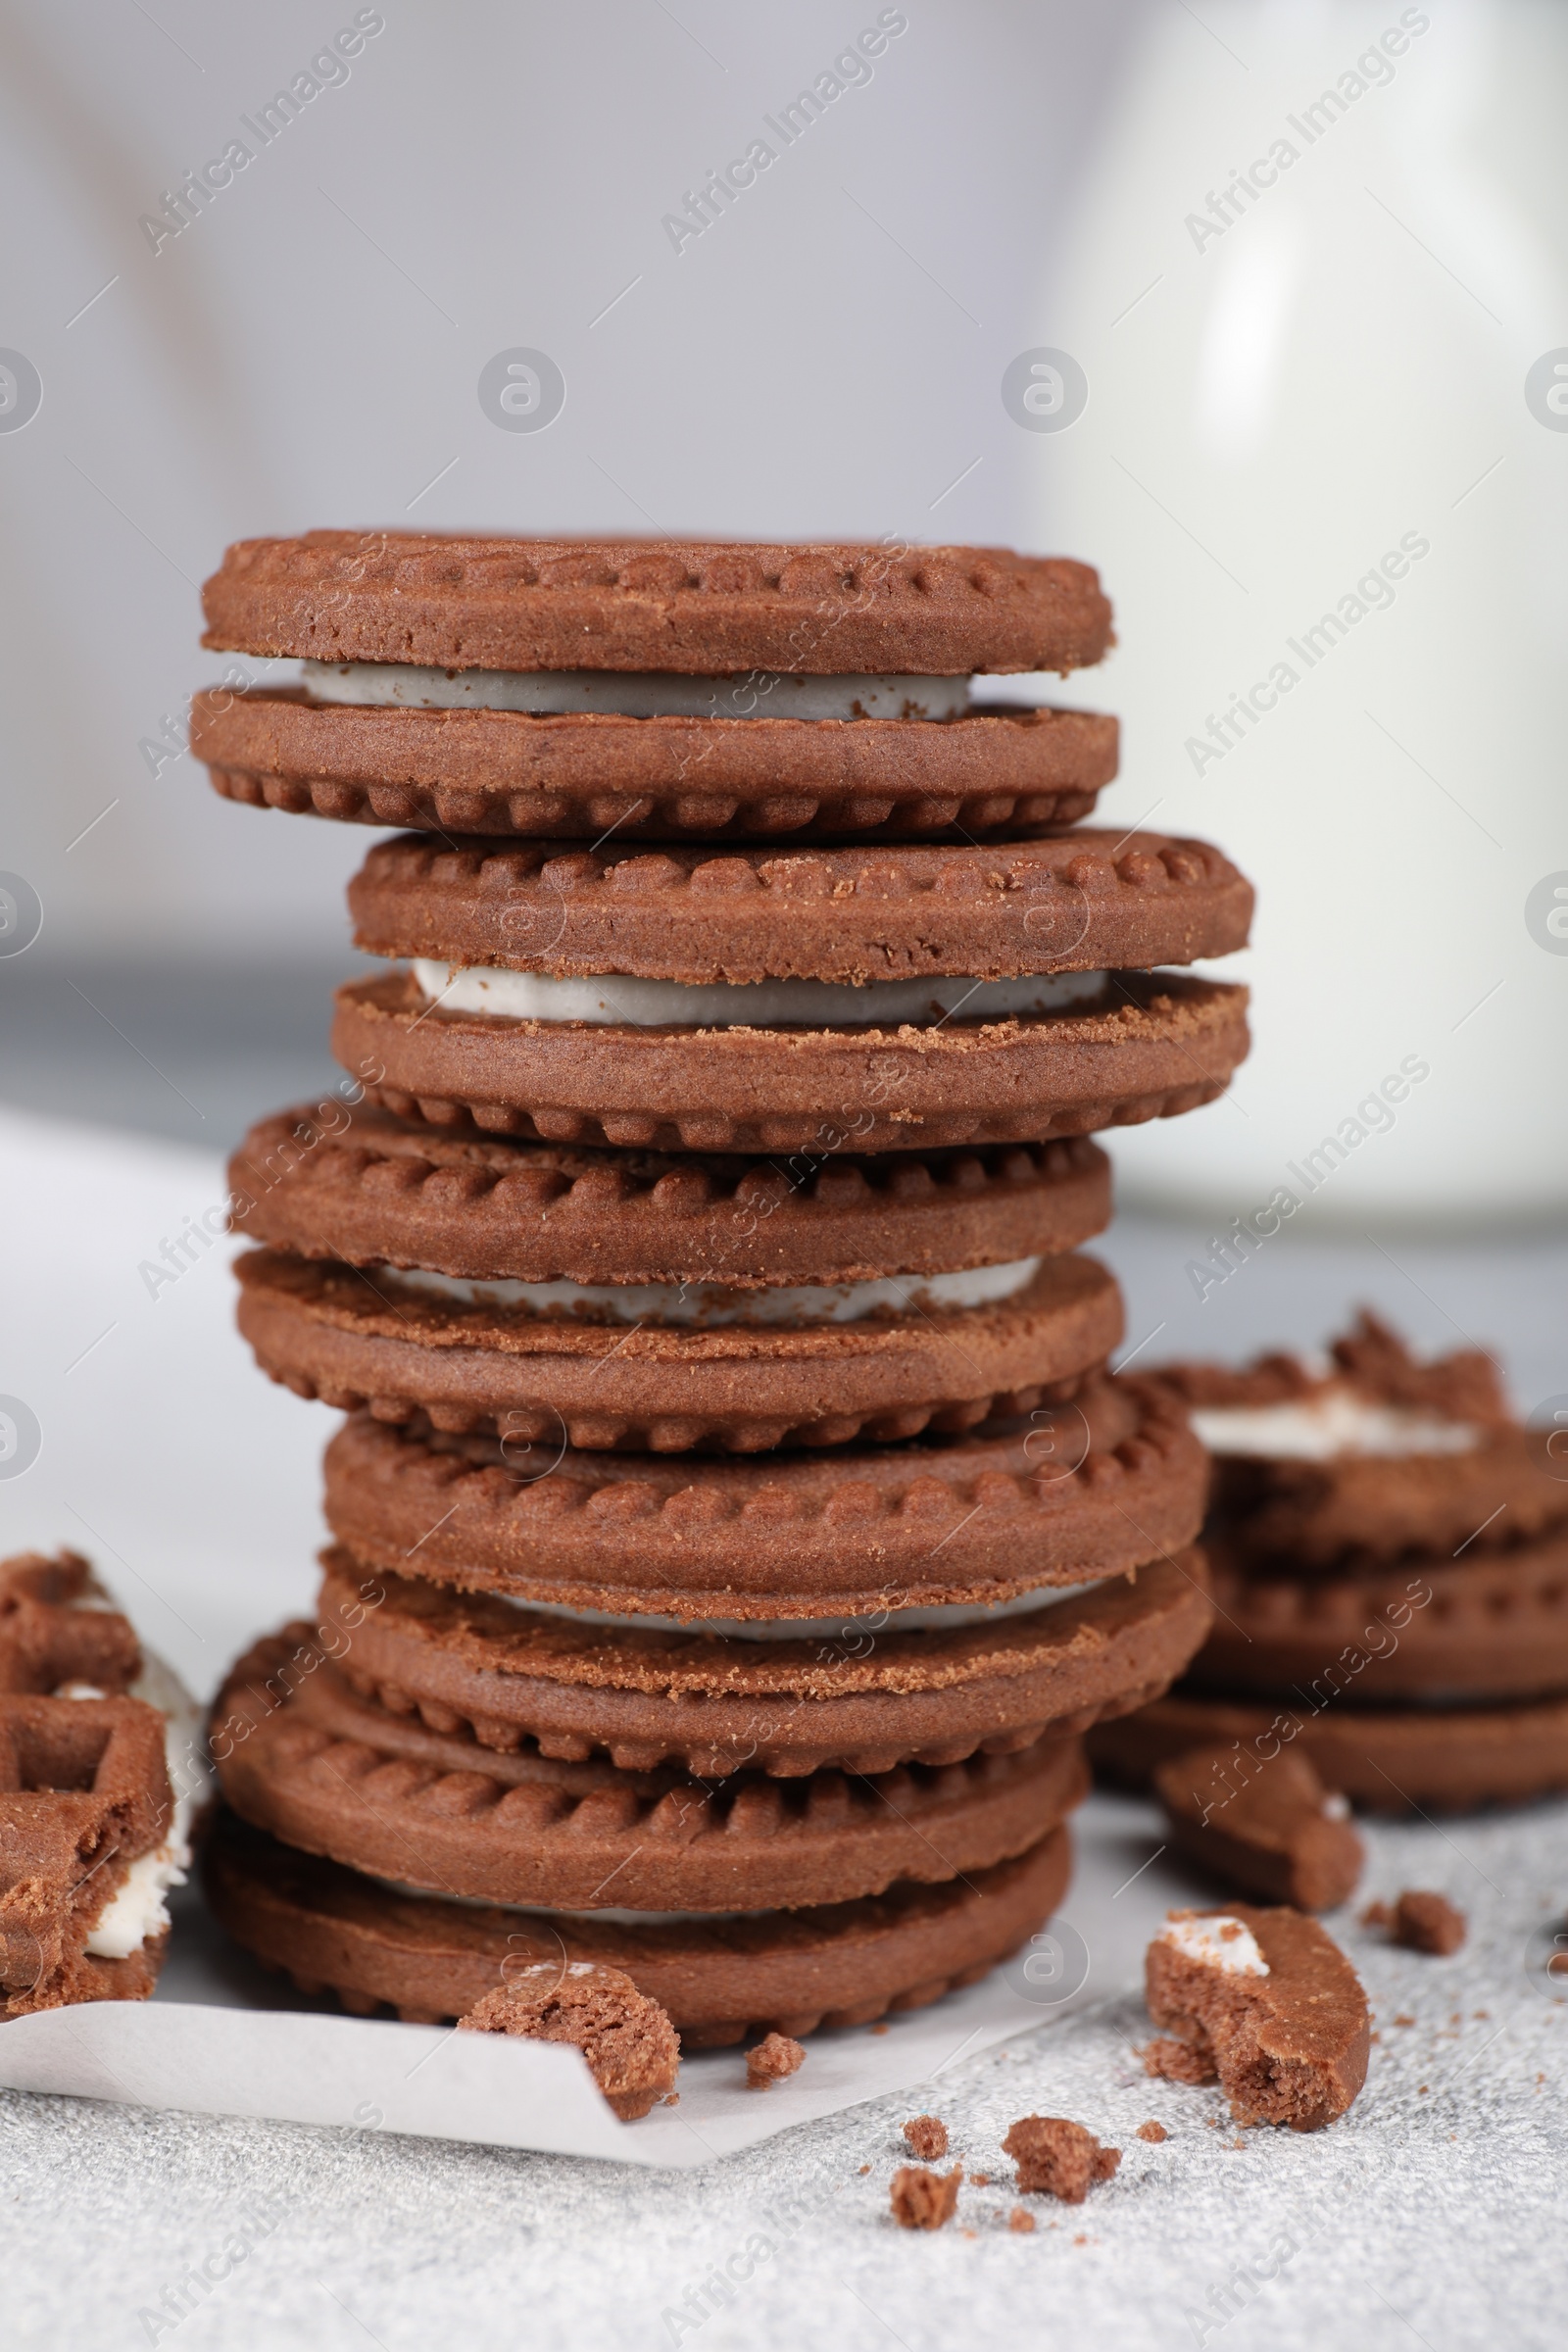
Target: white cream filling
(611, 1000)
(709, 1303)
(939, 1616)
(640, 694)
(1322, 1428)
(138, 1910)
(1217, 1942)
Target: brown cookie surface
(361, 1185)
(1289, 2040)
(358, 1338)
(701, 608)
(860, 1695)
(1385, 1759)
(971, 1519)
(1492, 1624)
(334, 1774)
(791, 1971)
(659, 778)
(1087, 902)
(1152, 1046)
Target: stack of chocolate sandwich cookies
(1389, 1549)
(736, 1525)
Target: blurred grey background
(1287, 376)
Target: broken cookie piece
(1422, 1922)
(924, 2200)
(1152, 2131)
(774, 2057)
(631, 2047)
(927, 2136)
(1273, 1831)
(1059, 2158)
(1264, 2002)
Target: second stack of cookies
(736, 1525)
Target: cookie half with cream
(103, 1779)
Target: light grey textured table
(1432, 2214)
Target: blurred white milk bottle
(1330, 382)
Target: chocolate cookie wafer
(892, 1000)
(334, 1774)
(719, 1979)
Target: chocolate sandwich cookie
(784, 1696)
(358, 1185)
(1486, 1624)
(571, 689)
(1448, 1759)
(337, 1775)
(738, 766)
(1378, 1457)
(626, 1368)
(718, 1979)
(1090, 1488)
(1273, 1829)
(893, 1000)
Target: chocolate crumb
(1019, 2220)
(771, 2060)
(1428, 1923)
(924, 2200)
(980, 2179)
(631, 2047)
(1059, 2158)
(879, 2029)
(927, 2136)
(1378, 1915)
(865, 2167)
(1152, 2131)
(1403, 2020)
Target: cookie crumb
(1152, 2131)
(631, 2047)
(865, 2167)
(1019, 2220)
(924, 2200)
(879, 2029)
(772, 2059)
(1428, 1923)
(980, 2179)
(1403, 2020)
(1058, 2158)
(927, 2136)
(1378, 1915)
